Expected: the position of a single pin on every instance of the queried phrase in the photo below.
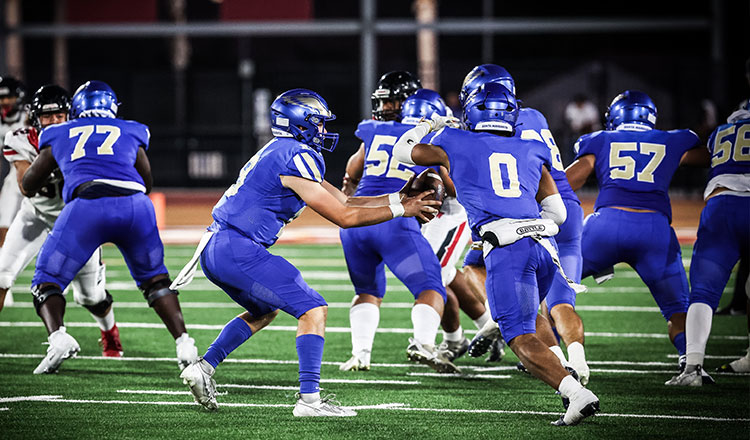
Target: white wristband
(397, 209)
(394, 198)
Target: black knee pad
(41, 294)
(102, 306)
(157, 289)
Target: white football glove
(438, 122)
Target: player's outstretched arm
(35, 176)
(579, 171)
(143, 166)
(354, 168)
(696, 157)
(319, 198)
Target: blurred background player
(107, 175)
(398, 243)
(500, 180)
(51, 105)
(634, 163)
(272, 189)
(723, 236)
(559, 304)
(12, 117)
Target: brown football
(426, 180)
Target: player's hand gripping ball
(426, 180)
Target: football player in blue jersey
(634, 163)
(500, 180)
(559, 304)
(406, 251)
(272, 189)
(107, 175)
(723, 236)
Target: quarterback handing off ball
(426, 180)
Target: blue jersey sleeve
(587, 144)
(687, 139)
(365, 131)
(47, 137)
(141, 134)
(306, 164)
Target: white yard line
(291, 328)
(332, 305)
(382, 407)
(379, 365)
(461, 376)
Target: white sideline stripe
(262, 387)
(292, 328)
(332, 305)
(708, 356)
(158, 392)
(382, 406)
(461, 376)
(336, 364)
(345, 381)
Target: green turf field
(141, 395)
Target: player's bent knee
(101, 307)
(42, 293)
(154, 290)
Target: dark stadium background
(198, 112)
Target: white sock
(482, 320)
(569, 386)
(426, 321)
(311, 397)
(363, 319)
(559, 353)
(697, 329)
(576, 353)
(107, 322)
(453, 336)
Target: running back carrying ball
(426, 180)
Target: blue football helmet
(491, 108)
(482, 74)
(422, 105)
(299, 113)
(94, 98)
(631, 106)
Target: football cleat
(741, 365)
(522, 368)
(427, 355)
(110, 342)
(452, 350)
(565, 400)
(483, 339)
(497, 351)
(198, 377)
(325, 407)
(691, 375)
(61, 346)
(355, 364)
(187, 353)
(583, 403)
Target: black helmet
(10, 86)
(48, 99)
(393, 86)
